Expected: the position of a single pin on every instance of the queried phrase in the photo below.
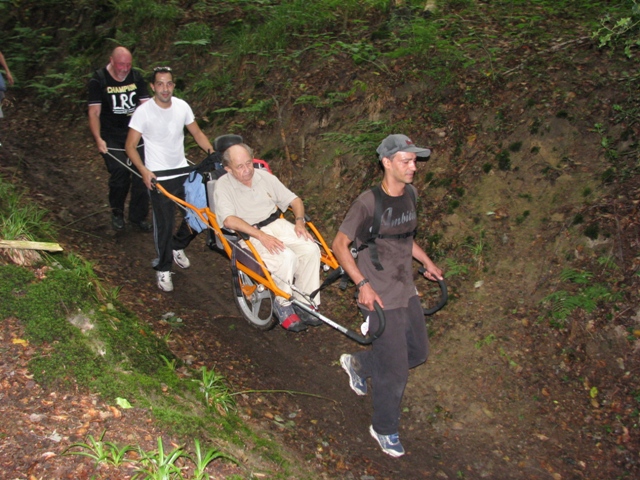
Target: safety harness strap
(270, 219)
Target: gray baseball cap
(400, 143)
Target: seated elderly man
(249, 201)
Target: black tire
(255, 305)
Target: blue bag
(196, 195)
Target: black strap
(338, 273)
(207, 165)
(270, 219)
(375, 228)
(175, 171)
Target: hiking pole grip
(444, 295)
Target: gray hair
(226, 156)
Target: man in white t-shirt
(161, 124)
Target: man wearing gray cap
(383, 274)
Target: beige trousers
(298, 264)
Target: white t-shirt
(163, 132)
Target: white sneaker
(164, 281)
(181, 259)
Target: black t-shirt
(394, 283)
(118, 100)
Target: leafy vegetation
(587, 297)
(97, 345)
(151, 465)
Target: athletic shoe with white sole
(390, 444)
(356, 382)
(181, 259)
(164, 281)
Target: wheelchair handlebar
(367, 339)
(443, 297)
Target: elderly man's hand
(271, 243)
(302, 232)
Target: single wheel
(254, 302)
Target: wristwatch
(362, 283)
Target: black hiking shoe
(117, 222)
(144, 226)
(307, 318)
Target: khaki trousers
(298, 264)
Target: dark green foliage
(14, 282)
(515, 146)
(70, 361)
(592, 231)
(526, 196)
(577, 219)
(581, 294)
(46, 304)
(443, 182)
(608, 176)
(130, 343)
(486, 168)
(535, 126)
(523, 217)
(504, 161)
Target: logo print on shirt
(123, 99)
(387, 219)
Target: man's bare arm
(297, 206)
(200, 138)
(131, 147)
(366, 294)
(94, 126)
(432, 271)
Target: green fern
(571, 275)
(563, 303)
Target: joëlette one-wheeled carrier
(253, 286)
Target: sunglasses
(162, 69)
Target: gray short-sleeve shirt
(394, 283)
